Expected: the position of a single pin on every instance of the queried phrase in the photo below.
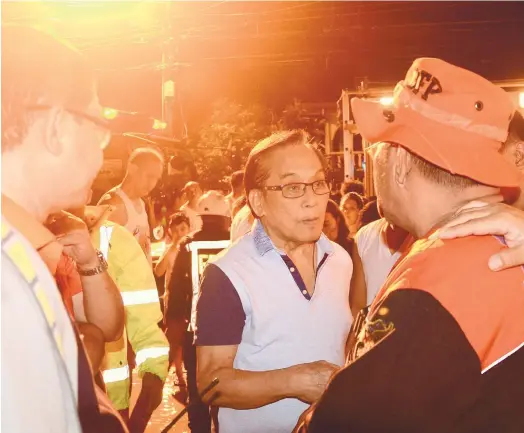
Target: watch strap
(101, 268)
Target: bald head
(144, 170)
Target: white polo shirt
(253, 296)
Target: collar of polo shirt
(264, 244)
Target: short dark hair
(369, 213)
(355, 197)
(352, 185)
(440, 176)
(145, 155)
(237, 181)
(343, 230)
(39, 71)
(178, 218)
(257, 172)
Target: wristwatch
(102, 267)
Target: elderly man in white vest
(273, 313)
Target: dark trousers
(198, 412)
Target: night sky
(272, 52)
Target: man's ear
(256, 200)
(403, 165)
(55, 129)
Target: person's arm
(119, 212)
(358, 289)
(100, 304)
(100, 298)
(481, 219)
(220, 322)
(415, 355)
(169, 256)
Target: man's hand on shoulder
(481, 219)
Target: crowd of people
(314, 310)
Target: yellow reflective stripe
(44, 304)
(18, 254)
(140, 297)
(150, 353)
(116, 374)
(5, 229)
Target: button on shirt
(253, 296)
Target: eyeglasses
(298, 189)
(101, 123)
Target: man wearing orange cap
(441, 347)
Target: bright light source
(169, 88)
(109, 113)
(386, 100)
(521, 99)
(158, 124)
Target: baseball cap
(448, 116)
(213, 203)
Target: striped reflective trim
(151, 353)
(140, 297)
(116, 374)
(502, 358)
(18, 254)
(105, 240)
(5, 229)
(203, 245)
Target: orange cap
(448, 116)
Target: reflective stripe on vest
(116, 374)
(105, 240)
(151, 353)
(140, 297)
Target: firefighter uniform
(132, 273)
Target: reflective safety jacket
(132, 273)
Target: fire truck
(343, 141)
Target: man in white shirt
(192, 192)
(273, 315)
(53, 134)
(144, 170)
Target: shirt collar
(35, 232)
(264, 244)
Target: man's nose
(310, 199)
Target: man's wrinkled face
(75, 146)
(298, 219)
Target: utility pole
(168, 75)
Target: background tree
(223, 143)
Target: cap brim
(455, 150)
